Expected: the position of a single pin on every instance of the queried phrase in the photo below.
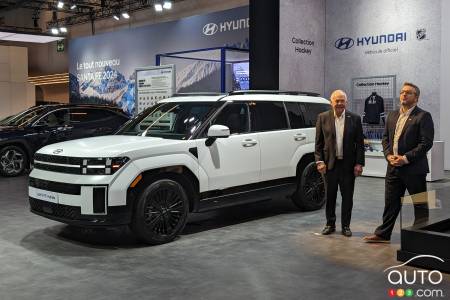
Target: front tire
(160, 212)
(310, 193)
(13, 161)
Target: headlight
(103, 166)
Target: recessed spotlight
(158, 7)
(60, 4)
(167, 5)
(63, 29)
(116, 17)
(125, 15)
(55, 31)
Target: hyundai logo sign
(344, 43)
(58, 151)
(210, 29)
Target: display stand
(376, 163)
(429, 238)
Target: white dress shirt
(339, 124)
(402, 118)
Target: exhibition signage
(102, 67)
(154, 84)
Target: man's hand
(392, 159)
(357, 170)
(399, 161)
(321, 167)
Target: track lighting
(55, 31)
(125, 15)
(60, 4)
(116, 17)
(158, 7)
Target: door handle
(300, 137)
(249, 143)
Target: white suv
(189, 153)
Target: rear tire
(310, 194)
(13, 161)
(160, 212)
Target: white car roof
(247, 97)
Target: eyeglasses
(407, 92)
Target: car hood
(110, 146)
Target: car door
(235, 160)
(55, 126)
(269, 121)
(89, 122)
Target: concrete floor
(260, 251)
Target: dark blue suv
(23, 134)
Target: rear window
(311, 111)
(82, 115)
(267, 116)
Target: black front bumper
(117, 215)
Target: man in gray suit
(339, 156)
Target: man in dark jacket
(407, 137)
(339, 156)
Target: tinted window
(266, 116)
(56, 118)
(82, 115)
(295, 115)
(234, 116)
(311, 110)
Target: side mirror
(215, 132)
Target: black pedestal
(430, 239)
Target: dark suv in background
(23, 134)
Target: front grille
(59, 169)
(73, 165)
(56, 159)
(57, 187)
(57, 210)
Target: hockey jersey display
(373, 109)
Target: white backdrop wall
(409, 58)
(302, 41)
(445, 81)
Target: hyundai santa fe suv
(22, 134)
(185, 154)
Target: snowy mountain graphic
(115, 89)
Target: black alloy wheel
(13, 161)
(310, 194)
(161, 212)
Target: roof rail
(197, 94)
(273, 92)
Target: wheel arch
(180, 173)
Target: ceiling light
(116, 17)
(60, 4)
(63, 29)
(125, 15)
(73, 6)
(158, 7)
(54, 31)
(167, 5)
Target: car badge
(58, 151)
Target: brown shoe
(375, 239)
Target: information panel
(154, 84)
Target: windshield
(22, 118)
(173, 120)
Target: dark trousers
(395, 186)
(341, 176)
